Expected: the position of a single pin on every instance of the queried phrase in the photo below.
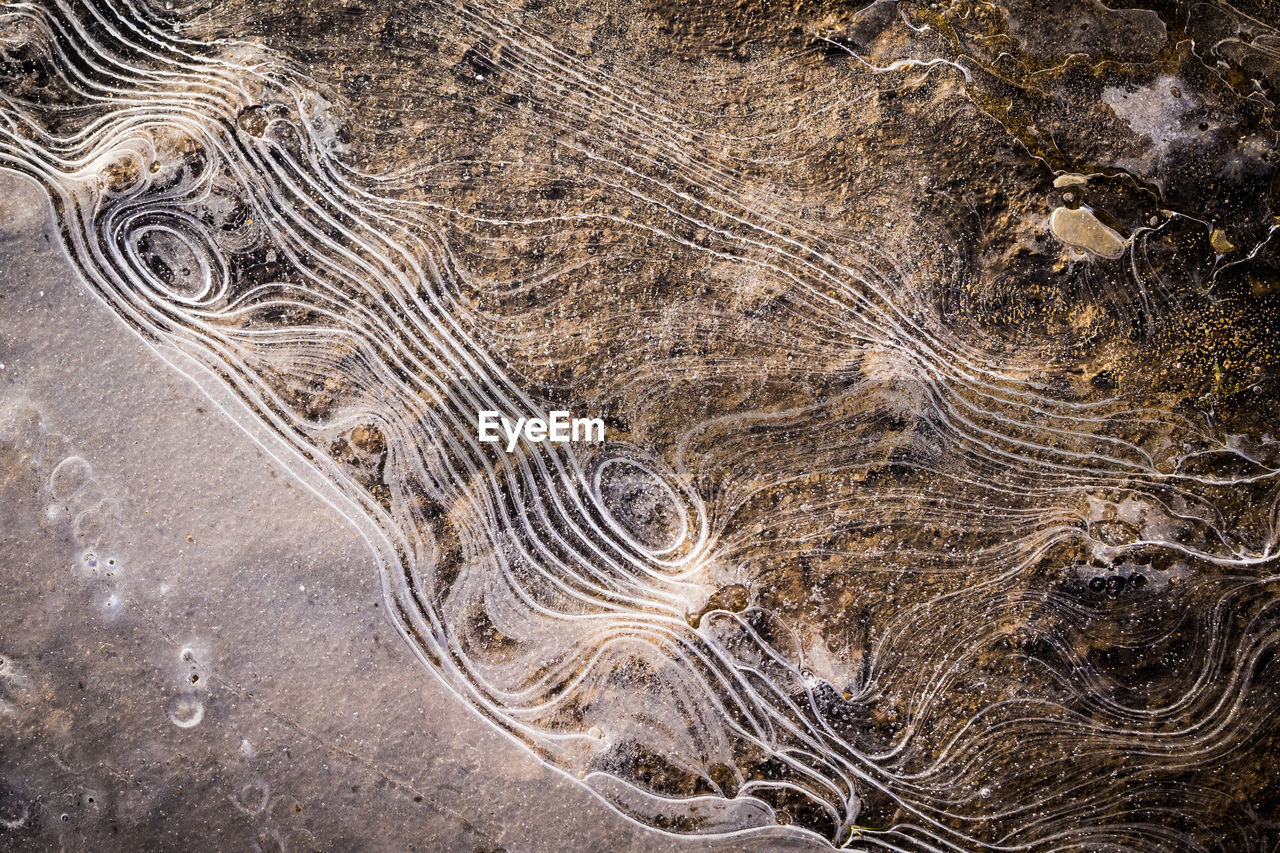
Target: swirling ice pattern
(629, 610)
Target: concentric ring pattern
(938, 507)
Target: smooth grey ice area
(194, 652)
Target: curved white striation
(611, 607)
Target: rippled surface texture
(936, 347)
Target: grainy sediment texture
(936, 345)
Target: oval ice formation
(643, 506)
(1080, 228)
(886, 544)
(171, 260)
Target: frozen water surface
(208, 665)
(935, 345)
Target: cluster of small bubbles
(1115, 584)
(193, 672)
(76, 502)
(186, 708)
(78, 497)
